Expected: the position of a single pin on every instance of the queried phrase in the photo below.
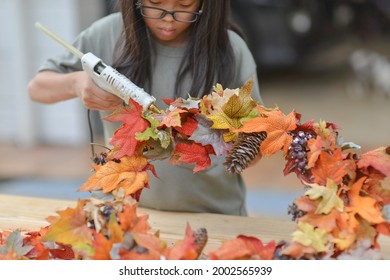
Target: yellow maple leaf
(327, 196)
(70, 228)
(129, 174)
(228, 115)
(345, 239)
(307, 235)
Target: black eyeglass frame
(164, 12)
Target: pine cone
(245, 149)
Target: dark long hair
(209, 55)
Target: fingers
(95, 98)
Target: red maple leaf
(193, 153)
(133, 123)
(188, 126)
(378, 159)
(244, 248)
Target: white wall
(22, 49)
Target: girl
(171, 48)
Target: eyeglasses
(157, 13)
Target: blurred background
(326, 59)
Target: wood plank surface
(30, 213)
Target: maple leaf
(244, 247)
(148, 247)
(150, 132)
(115, 231)
(276, 125)
(131, 221)
(327, 196)
(366, 207)
(328, 222)
(62, 252)
(129, 174)
(315, 148)
(207, 136)
(297, 251)
(362, 251)
(70, 228)
(124, 138)
(188, 104)
(102, 247)
(307, 235)
(332, 166)
(173, 118)
(345, 239)
(378, 159)
(188, 126)
(39, 251)
(383, 228)
(213, 103)
(13, 247)
(238, 106)
(305, 204)
(185, 249)
(193, 153)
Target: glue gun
(105, 76)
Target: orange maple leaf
(124, 138)
(276, 125)
(327, 222)
(70, 228)
(332, 166)
(315, 149)
(131, 221)
(185, 249)
(148, 247)
(297, 250)
(129, 174)
(173, 118)
(102, 247)
(244, 248)
(364, 206)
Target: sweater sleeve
(100, 39)
(246, 67)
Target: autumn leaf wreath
(339, 216)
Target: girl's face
(167, 30)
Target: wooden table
(30, 213)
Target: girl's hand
(92, 96)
